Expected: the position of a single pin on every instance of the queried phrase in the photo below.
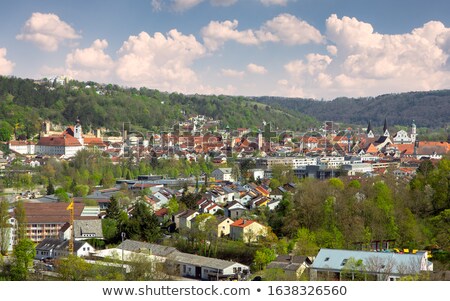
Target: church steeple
(413, 132)
(369, 131)
(385, 128)
(78, 132)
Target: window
(344, 262)
(328, 258)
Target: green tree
(6, 131)
(5, 227)
(305, 243)
(21, 218)
(50, 188)
(143, 224)
(113, 210)
(81, 190)
(23, 255)
(62, 195)
(353, 270)
(173, 206)
(110, 229)
(263, 257)
(73, 268)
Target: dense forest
(428, 109)
(24, 104)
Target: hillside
(428, 109)
(24, 104)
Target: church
(65, 144)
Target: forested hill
(428, 109)
(24, 103)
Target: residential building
(293, 266)
(22, 147)
(223, 174)
(45, 220)
(51, 248)
(207, 268)
(223, 225)
(185, 219)
(331, 264)
(247, 230)
(234, 210)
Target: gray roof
(228, 190)
(83, 228)
(57, 244)
(48, 244)
(158, 250)
(202, 261)
(289, 263)
(330, 259)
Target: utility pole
(123, 239)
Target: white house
(22, 147)
(223, 174)
(55, 248)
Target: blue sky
(298, 48)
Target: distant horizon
(317, 49)
(230, 95)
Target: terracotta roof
(52, 212)
(20, 142)
(162, 212)
(59, 141)
(242, 223)
(94, 141)
(407, 149)
(428, 147)
(371, 149)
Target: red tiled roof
(59, 141)
(242, 223)
(20, 142)
(161, 212)
(94, 141)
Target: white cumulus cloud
(365, 62)
(47, 31)
(284, 28)
(6, 66)
(256, 69)
(182, 5)
(216, 33)
(274, 2)
(290, 30)
(232, 73)
(90, 63)
(160, 61)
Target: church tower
(260, 140)
(385, 129)
(413, 132)
(369, 131)
(77, 132)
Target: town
(203, 201)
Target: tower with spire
(78, 132)
(413, 132)
(369, 132)
(385, 129)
